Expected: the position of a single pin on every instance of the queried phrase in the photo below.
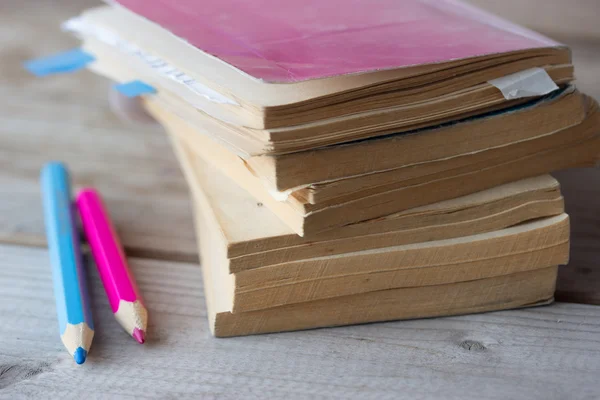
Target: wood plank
(547, 353)
(586, 58)
(67, 118)
(574, 18)
(579, 281)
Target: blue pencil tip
(80, 355)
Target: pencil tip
(80, 355)
(139, 335)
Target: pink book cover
(284, 41)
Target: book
(525, 289)
(568, 148)
(495, 131)
(380, 92)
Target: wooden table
(548, 352)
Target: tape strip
(528, 83)
(134, 88)
(61, 63)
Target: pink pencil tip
(139, 335)
(86, 191)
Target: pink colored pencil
(119, 284)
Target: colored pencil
(68, 274)
(119, 283)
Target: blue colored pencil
(70, 288)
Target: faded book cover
(292, 41)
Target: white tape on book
(528, 83)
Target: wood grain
(542, 353)
(67, 118)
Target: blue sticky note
(68, 61)
(134, 88)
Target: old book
(248, 142)
(262, 297)
(532, 245)
(510, 134)
(253, 235)
(288, 93)
(493, 131)
(535, 285)
(524, 289)
(577, 146)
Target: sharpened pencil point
(80, 355)
(139, 335)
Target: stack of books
(358, 162)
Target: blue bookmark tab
(68, 61)
(135, 88)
